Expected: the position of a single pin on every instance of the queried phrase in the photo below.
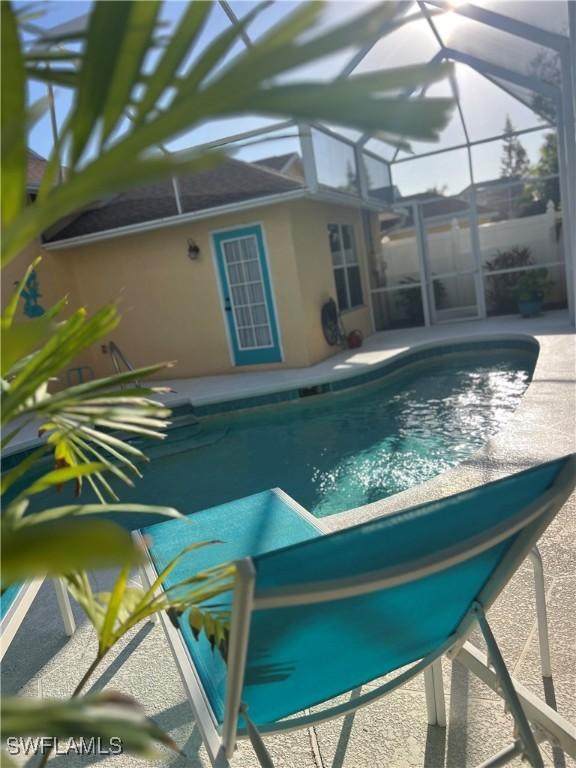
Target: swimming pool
(342, 450)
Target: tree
(547, 165)
(438, 189)
(106, 70)
(514, 162)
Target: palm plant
(122, 111)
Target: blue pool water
(338, 451)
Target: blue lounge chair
(16, 601)
(316, 615)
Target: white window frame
(344, 266)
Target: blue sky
(485, 106)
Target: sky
(484, 105)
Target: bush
(500, 288)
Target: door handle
(227, 305)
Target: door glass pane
(252, 270)
(251, 321)
(454, 298)
(246, 337)
(242, 315)
(255, 293)
(240, 295)
(235, 273)
(262, 336)
(248, 245)
(232, 251)
(259, 314)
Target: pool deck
(392, 733)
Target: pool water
(338, 451)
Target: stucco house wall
(54, 279)
(310, 222)
(172, 307)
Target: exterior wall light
(193, 250)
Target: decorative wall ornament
(30, 295)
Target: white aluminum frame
(20, 605)
(478, 273)
(563, 96)
(528, 524)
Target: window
(346, 267)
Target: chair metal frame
(20, 605)
(527, 525)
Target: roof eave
(210, 213)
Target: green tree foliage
(514, 162)
(547, 165)
(111, 81)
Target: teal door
(247, 296)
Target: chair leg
(541, 612)
(525, 735)
(432, 713)
(434, 688)
(64, 607)
(256, 740)
(439, 693)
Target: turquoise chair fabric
(302, 656)
(245, 527)
(7, 598)
(305, 655)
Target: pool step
(183, 416)
(182, 439)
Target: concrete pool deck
(392, 733)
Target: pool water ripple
(339, 451)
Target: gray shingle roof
(230, 182)
(276, 162)
(36, 167)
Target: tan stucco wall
(310, 230)
(54, 279)
(171, 306)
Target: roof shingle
(36, 168)
(230, 182)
